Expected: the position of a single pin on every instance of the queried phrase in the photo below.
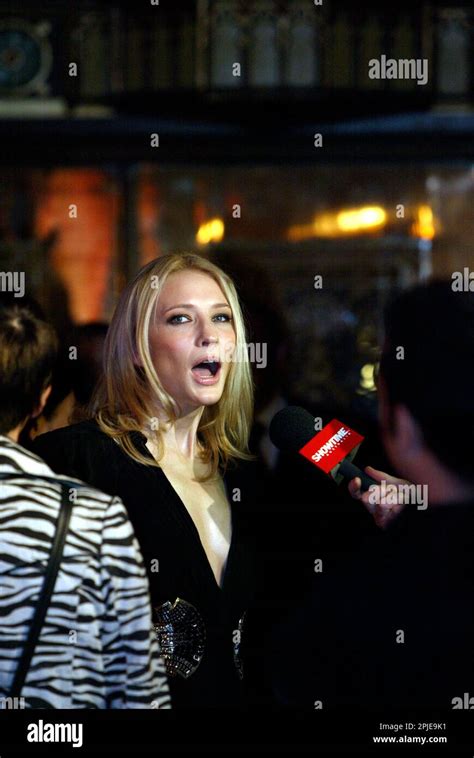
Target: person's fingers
(379, 476)
(354, 487)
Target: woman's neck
(180, 437)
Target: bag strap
(52, 569)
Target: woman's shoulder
(82, 450)
(83, 432)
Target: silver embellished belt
(181, 634)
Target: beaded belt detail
(181, 634)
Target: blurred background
(133, 129)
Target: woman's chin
(198, 400)
(210, 396)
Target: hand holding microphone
(382, 513)
(332, 450)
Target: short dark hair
(28, 348)
(434, 375)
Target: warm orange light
(325, 225)
(299, 232)
(361, 219)
(424, 226)
(86, 241)
(337, 224)
(210, 231)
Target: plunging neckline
(188, 521)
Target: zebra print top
(97, 648)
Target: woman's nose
(208, 338)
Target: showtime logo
(331, 445)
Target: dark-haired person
(96, 648)
(73, 381)
(89, 339)
(171, 420)
(393, 627)
(59, 406)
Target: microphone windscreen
(291, 428)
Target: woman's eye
(181, 318)
(177, 319)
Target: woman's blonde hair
(126, 398)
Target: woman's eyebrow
(190, 305)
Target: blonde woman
(168, 434)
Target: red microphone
(331, 450)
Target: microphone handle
(349, 471)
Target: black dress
(175, 559)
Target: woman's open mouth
(207, 372)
